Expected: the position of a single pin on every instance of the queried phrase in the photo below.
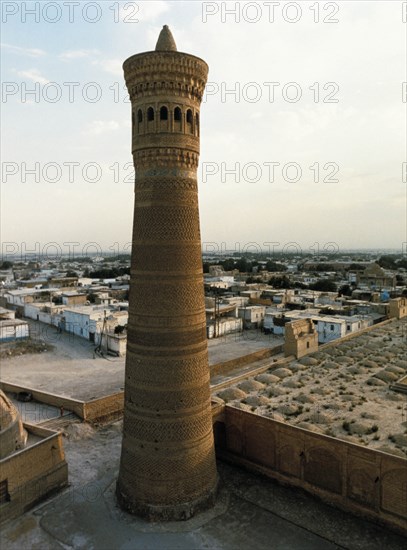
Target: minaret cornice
(159, 72)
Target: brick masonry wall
(73, 405)
(105, 408)
(33, 473)
(360, 480)
(227, 366)
(8, 438)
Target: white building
(114, 343)
(356, 322)
(6, 314)
(6, 276)
(237, 300)
(274, 322)
(90, 321)
(329, 328)
(23, 296)
(45, 312)
(223, 326)
(252, 315)
(13, 329)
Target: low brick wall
(8, 438)
(53, 399)
(357, 479)
(102, 409)
(227, 366)
(105, 408)
(33, 473)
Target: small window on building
(140, 116)
(332, 327)
(177, 114)
(150, 114)
(163, 113)
(347, 327)
(307, 344)
(4, 494)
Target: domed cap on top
(166, 42)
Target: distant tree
(118, 258)
(83, 259)
(228, 264)
(92, 298)
(71, 273)
(275, 266)
(298, 284)
(356, 267)
(6, 265)
(280, 282)
(388, 261)
(399, 279)
(345, 290)
(324, 285)
(205, 266)
(324, 267)
(243, 265)
(109, 272)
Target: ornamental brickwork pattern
(168, 469)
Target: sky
(303, 124)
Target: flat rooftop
(343, 390)
(250, 512)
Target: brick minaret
(167, 469)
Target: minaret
(167, 469)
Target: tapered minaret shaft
(167, 468)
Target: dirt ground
(71, 367)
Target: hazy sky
(303, 128)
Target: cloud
(112, 66)
(34, 75)
(98, 127)
(31, 52)
(78, 54)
